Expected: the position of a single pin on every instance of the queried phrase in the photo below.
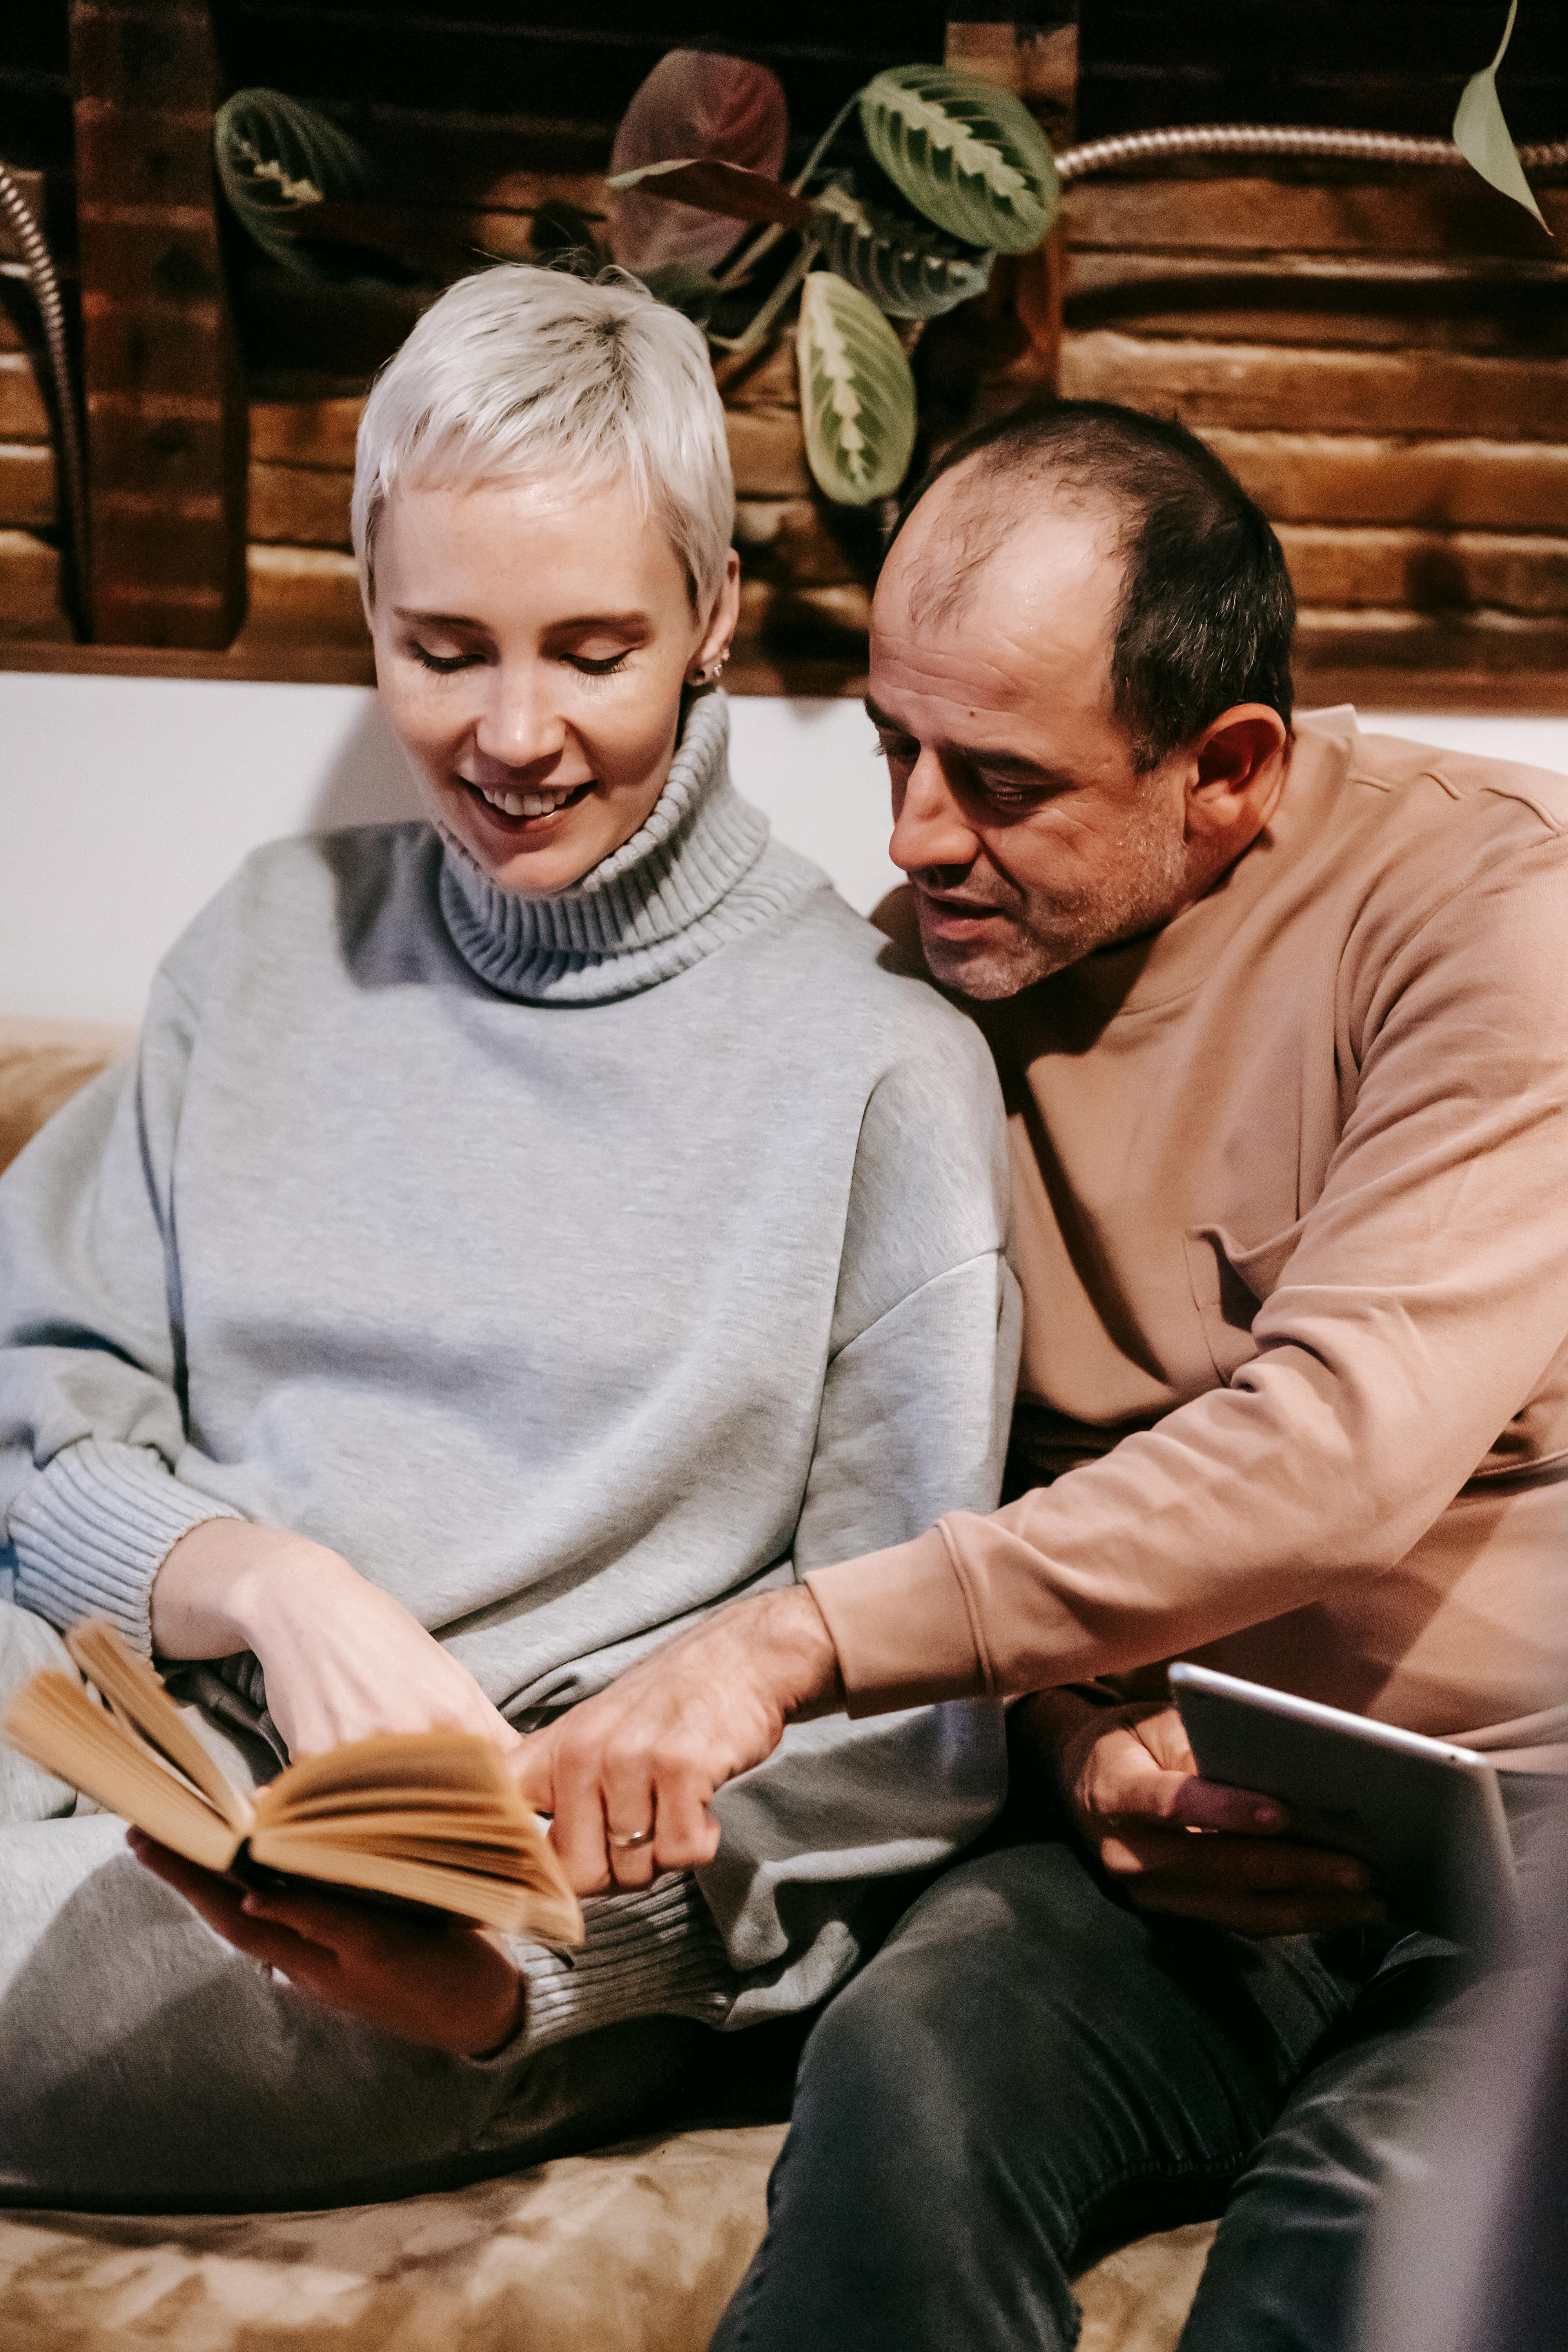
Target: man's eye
(898, 749)
(443, 664)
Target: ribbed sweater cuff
(655, 1953)
(92, 1530)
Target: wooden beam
(1468, 484)
(1406, 210)
(165, 405)
(1442, 574)
(1259, 384)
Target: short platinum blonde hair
(529, 373)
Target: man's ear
(1237, 770)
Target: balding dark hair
(1207, 612)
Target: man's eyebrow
(1011, 763)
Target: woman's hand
(436, 1982)
(343, 1659)
(1131, 1781)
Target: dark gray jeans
(1030, 2072)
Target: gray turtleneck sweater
(569, 1265)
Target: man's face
(1019, 817)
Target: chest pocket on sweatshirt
(1230, 1283)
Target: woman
(519, 1232)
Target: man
(1280, 1015)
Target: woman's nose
(928, 827)
(519, 725)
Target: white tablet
(1426, 1816)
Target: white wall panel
(125, 803)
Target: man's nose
(519, 724)
(928, 827)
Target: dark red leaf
(692, 103)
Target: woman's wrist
(226, 1586)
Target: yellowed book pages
(430, 1817)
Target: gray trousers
(145, 2062)
(1031, 2072)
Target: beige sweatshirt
(1291, 1215)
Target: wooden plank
(1253, 384)
(300, 506)
(767, 453)
(1433, 572)
(1488, 305)
(30, 605)
(1365, 478)
(305, 432)
(306, 594)
(23, 416)
(281, 661)
(1433, 211)
(27, 485)
(790, 540)
(1470, 484)
(1514, 693)
(166, 406)
(1484, 640)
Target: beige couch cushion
(42, 1064)
(638, 2250)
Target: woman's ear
(1237, 770)
(713, 647)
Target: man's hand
(341, 1658)
(648, 1753)
(436, 1982)
(1130, 1783)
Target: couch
(636, 2249)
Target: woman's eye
(591, 666)
(443, 664)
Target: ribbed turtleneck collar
(687, 883)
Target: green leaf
(909, 271)
(968, 155)
(857, 394)
(277, 159)
(1481, 135)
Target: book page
(135, 1692)
(434, 1815)
(55, 1722)
(547, 1915)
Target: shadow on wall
(369, 781)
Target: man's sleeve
(91, 1427)
(1425, 1298)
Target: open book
(428, 1816)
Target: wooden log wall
(1382, 356)
(1383, 361)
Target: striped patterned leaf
(277, 159)
(909, 272)
(970, 156)
(857, 395)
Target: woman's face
(531, 647)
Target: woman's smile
(523, 809)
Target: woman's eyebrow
(600, 621)
(436, 620)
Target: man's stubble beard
(1047, 932)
